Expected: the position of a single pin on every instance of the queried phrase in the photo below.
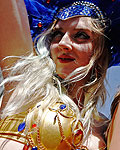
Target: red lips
(65, 58)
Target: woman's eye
(81, 35)
(56, 36)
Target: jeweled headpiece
(42, 13)
(80, 8)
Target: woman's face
(72, 44)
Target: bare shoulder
(6, 144)
(113, 137)
(95, 142)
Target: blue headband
(42, 13)
(80, 8)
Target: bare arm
(15, 38)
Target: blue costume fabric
(42, 13)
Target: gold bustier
(57, 129)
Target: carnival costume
(55, 130)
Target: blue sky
(113, 78)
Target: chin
(64, 72)
(62, 75)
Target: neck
(75, 91)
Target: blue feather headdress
(42, 13)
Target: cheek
(53, 52)
(85, 47)
(84, 53)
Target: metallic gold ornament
(56, 130)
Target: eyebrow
(83, 28)
(75, 29)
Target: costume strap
(9, 128)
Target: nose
(65, 43)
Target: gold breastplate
(56, 129)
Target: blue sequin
(62, 106)
(80, 9)
(21, 126)
(34, 148)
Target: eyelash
(79, 34)
(56, 33)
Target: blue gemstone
(34, 148)
(21, 126)
(62, 106)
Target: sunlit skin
(72, 44)
(15, 39)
